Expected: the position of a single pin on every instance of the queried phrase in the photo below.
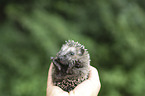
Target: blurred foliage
(31, 31)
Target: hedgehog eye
(71, 53)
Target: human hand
(89, 87)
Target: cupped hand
(89, 87)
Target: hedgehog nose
(59, 58)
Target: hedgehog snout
(61, 58)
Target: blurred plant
(33, 31)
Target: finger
(49, 79)
(95, 81)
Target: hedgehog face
(69, 55)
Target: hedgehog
(70, 66)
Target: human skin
(89, 87)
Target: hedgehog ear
(81, 51)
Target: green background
(31, 31)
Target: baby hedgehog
(71, 66)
